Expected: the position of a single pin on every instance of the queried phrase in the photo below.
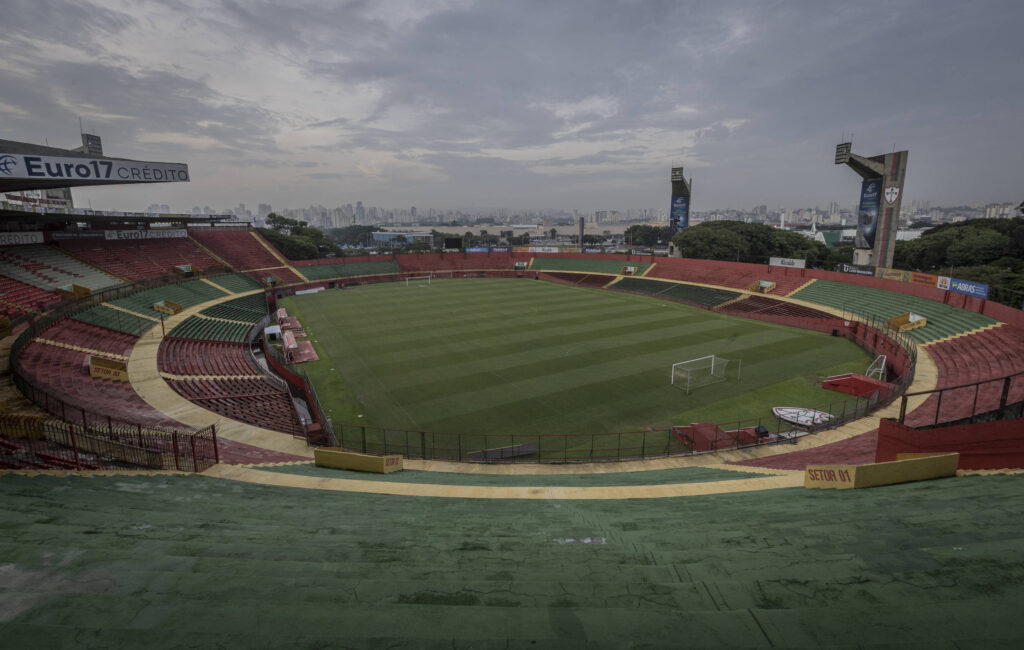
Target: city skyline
(464, 105)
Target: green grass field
(502, 356)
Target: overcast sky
(522, 104)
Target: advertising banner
(892, 274)
(787, 261)
(976, 289)
(543, 249)
(90, 169)
(680, 210)
(867, 213)
(924, 279)
(478, 249)
(500, 249)
(144, 234)
(20, 238)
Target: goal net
(702, 371)
(418, 278)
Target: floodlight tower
(679, 215)
(877, 222)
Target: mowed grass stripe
(458, 319)
(617, 355)
(522, 357)
(543, 344)
(619, 392)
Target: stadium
(588, 448)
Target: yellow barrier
(74, 291)
(906, 322)
(337, 458)
(101, 368)
(915, 467)
(167, 307)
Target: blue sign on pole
(976, 289)
(867, 214)
(681, 210)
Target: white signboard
(89, 169)
(787, 261)
(145, 234)
(543, 249)
(20, 238)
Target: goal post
(703, 371)
(418, 277)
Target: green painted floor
(193, 561)
(658, 477)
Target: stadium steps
(65, 373)
(281, 258)
(586, 265)
(961, 334)
(251, 400)
(129, 311)
(688, 293)
(49, 268)
(234, 283)
(76, 333)
(249, 309)
(25, 297)
(350, 270)
(116, 320)
(139, 259)
(801, 287)
(187, 294)
(944, 321)
(209, 252)
(210, 329)
(205, 561)
(79, 348)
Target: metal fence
(83, 422)
(981, 401)
(29, 442)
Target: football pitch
(518, 356)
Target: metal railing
(981, 401)
(30, 442)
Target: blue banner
(478, 249)
(867, 214)
(681, 211)
(976, 289)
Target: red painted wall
(988, 445)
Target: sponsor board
(90, 169)
(20, 238)
(857, 270)
(83, 234)
(543, 249)
(924, 279)
(478, 249)
(867, 213)
(976, 289)
(680, 213)
(145, 234)
(787, 261)
(892, 274)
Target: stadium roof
(102, 218)
(25, 166)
